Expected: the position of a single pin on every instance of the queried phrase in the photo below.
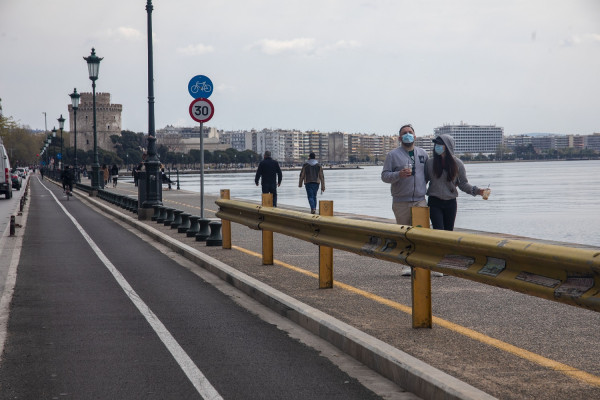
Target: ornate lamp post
(93, 63)
(152, 195)
(53, 145)
(75, 104)
(61, 126)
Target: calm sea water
(555, 200)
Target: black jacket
(268, 169)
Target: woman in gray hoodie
(445, 172)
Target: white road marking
(196, 377)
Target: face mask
(439, 149)
(408, 138)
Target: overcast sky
(330, 65)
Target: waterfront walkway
(509, 345)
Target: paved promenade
(506, 344)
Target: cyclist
(67, 178)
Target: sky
(356, 66)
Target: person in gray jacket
(311, 175)
(404, 168)
(445, 172)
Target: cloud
(125, 33)
(273, 47)
(576, 40)
(305, 46)
(195, 49)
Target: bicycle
(200, 86)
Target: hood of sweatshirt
(312, 161)
(448, 142)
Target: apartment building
(473, 138)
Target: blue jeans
(311, 192)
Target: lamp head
(93, 62)
(75, 99)
(61, 122)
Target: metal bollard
(204, 231)
(162, 215)
(176, 219)
(194, 226)
(215, 234)
(185, 223)
(421, 279)
(12, 225)
(170, 216)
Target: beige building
(108, 122)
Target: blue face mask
(408, 138)
(439, 149)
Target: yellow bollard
(325, 252)
(267, 236)
(226, 225)
(421, 279)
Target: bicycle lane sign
(200, 86)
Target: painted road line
(565, 369)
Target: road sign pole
(201, 170)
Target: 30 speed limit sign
(201, 110)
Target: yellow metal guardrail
(564, 274)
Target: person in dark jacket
(311, 175)
(114, 172)
(270, 175)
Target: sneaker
(406, 271)
(312, 211)
(436, 274)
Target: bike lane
(74, 330)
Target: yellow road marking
(480, 337)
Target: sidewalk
(367, 313)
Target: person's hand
(256, 183)
(279, 184)
(405, 172)
(481, 191)
(300, 185)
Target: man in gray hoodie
(404, 168)
(311, 175)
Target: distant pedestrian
(114, 172)
(270, 175)
(105, 174)
(311, 175)
(164, 177)
(445, 172)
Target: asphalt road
(97, 312)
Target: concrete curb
(405, 370)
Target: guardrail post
(325, 252)
(267, 236)
(421, 279)
(226, 225)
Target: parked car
(17, 181)
(5, 178)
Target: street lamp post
(93, 63)
(152, 195)
(75, 104)
(53, 147)
(61, 126)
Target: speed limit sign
(201, 110)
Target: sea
(550, 200)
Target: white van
(5, 179)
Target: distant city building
(473, 138)
(593, 142)
(108, 122)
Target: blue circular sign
(200, 86)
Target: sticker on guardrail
(538, 279)
(493, 266)
(574, 287)
(456, 261)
